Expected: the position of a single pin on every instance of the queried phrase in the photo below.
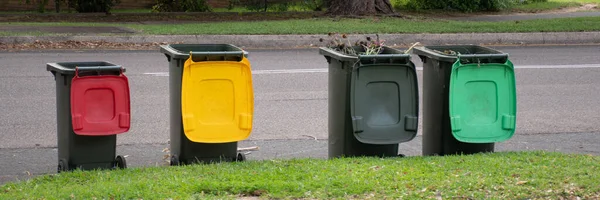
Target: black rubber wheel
(62, 166)
(120, 162)
(401, 155)
(174, 160)
(240, 157)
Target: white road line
(275, 71)
(290, 71)
(557, 66)
(325, 70)
(157, 73)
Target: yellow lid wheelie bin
(211, 101)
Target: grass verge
(544, 6)
(507, 175)
(351, 26)
(550, 5)
(373, 25)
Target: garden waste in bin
(92, 104)
(469, 99)
(211, 101)
(373, 102)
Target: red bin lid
(100, 104)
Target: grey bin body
(182, 149)
(437, 68)
(76, 151)
(373, 103)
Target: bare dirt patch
(585, 7)
(157, 17)
(81, 45)
(68, 29)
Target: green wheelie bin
(373, 102)
(92, 107)
(211, 102)
(469, 99)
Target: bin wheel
(174, 160)
(120, 162)
(62, 166)
(240, 157)
(401, 155)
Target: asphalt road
(557, 92)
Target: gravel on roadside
(70, 44)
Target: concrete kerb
(295, 41)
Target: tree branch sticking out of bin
(370, 46)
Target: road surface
(558, 95)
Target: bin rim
(427, 51)
(58, 66)
(176, 54)
(328, 52)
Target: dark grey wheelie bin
(373, 102)
(183, 149)
(482, 86)
(92, 107)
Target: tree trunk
(57, 6)
(360, 7)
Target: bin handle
(384, 56)
(218, 53)
(480, 57)
(387, 57)
(98, 69)
(504, 55)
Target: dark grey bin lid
(388, 55)
(213, 51)
(384, 99)
(384, 103)
(466, 51)
(69, 67)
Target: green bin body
(182, 149)
(77, 151)
(481, 107)
(373, 102)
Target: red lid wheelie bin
(92, 107)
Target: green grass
(534, 7)
(271, 8)
(534, 175)
(30, 33)
(577, 1)
(354, 26)
(140, 10)
(385, 25)
(70, 10)
(552, 5)
(401, 5)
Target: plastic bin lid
(208, 52)
(482, 102)
(217, 101)
(384, 103)
(390, 55)
(69, 67)
(100, 104)
(449, 53)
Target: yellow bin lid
(217, 100)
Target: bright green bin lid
(483, 101)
